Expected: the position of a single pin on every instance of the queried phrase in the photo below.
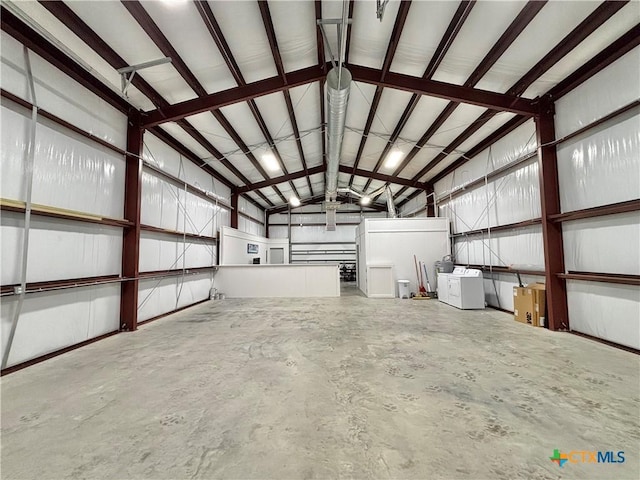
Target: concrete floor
(324, 388)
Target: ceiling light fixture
(294, 201)
(393, 159)
(173, 3)
(270, 162)
(365, 200)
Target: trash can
(403, 289)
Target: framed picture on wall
(252, 248)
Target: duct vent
(331, 209)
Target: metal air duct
(337, 99)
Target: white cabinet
(464, 288)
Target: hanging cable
(28, 186)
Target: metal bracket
(338, 23)
(127, 73)
(380, 6)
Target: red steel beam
(484, 98)
(145, 21)
(349, 15)
(380, 176)
(233, 95)
(174, 233)
(522, 20)
(598, 17)
(39, 45)
(589, 25)
(234, 208)
(45, 286)
(461, 14)
(277, 58)
(613, 52)
(367, 127)
(504, 130)
(131, 235)
(68, 17)
(218, 37)
(401, 18)
(603, 210)
(558, 316)
(281, 179)
(602, 277)
(322, 60)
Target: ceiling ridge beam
(401, 18)
(145, 21)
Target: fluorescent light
(294, 201)
(270, 162)
(173, 3)
(365, 200)
(393, 159)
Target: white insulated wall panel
(50, 321)
(233, 247)
(265, 281)
(602, 166)
(250, 209)
(607, 311)
(157, 296)
(609, 244)
(521, 249)
(167, 205)
(416, 205)
(58, 249)
(165, 252)
(512, 198)
(70, 172)
(498, 288)
(278, 231)
(342, 233)
(610, 89)
(58, 94)
(249, 226)
(163, 156)
(517, 144)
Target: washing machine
(463, 288)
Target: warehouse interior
(320, 239)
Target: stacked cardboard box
(529, 304)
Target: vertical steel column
(557, 312)
(234, 208)
(131, 234)
(431, 199)
(266, 223)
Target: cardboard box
(529, 304)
